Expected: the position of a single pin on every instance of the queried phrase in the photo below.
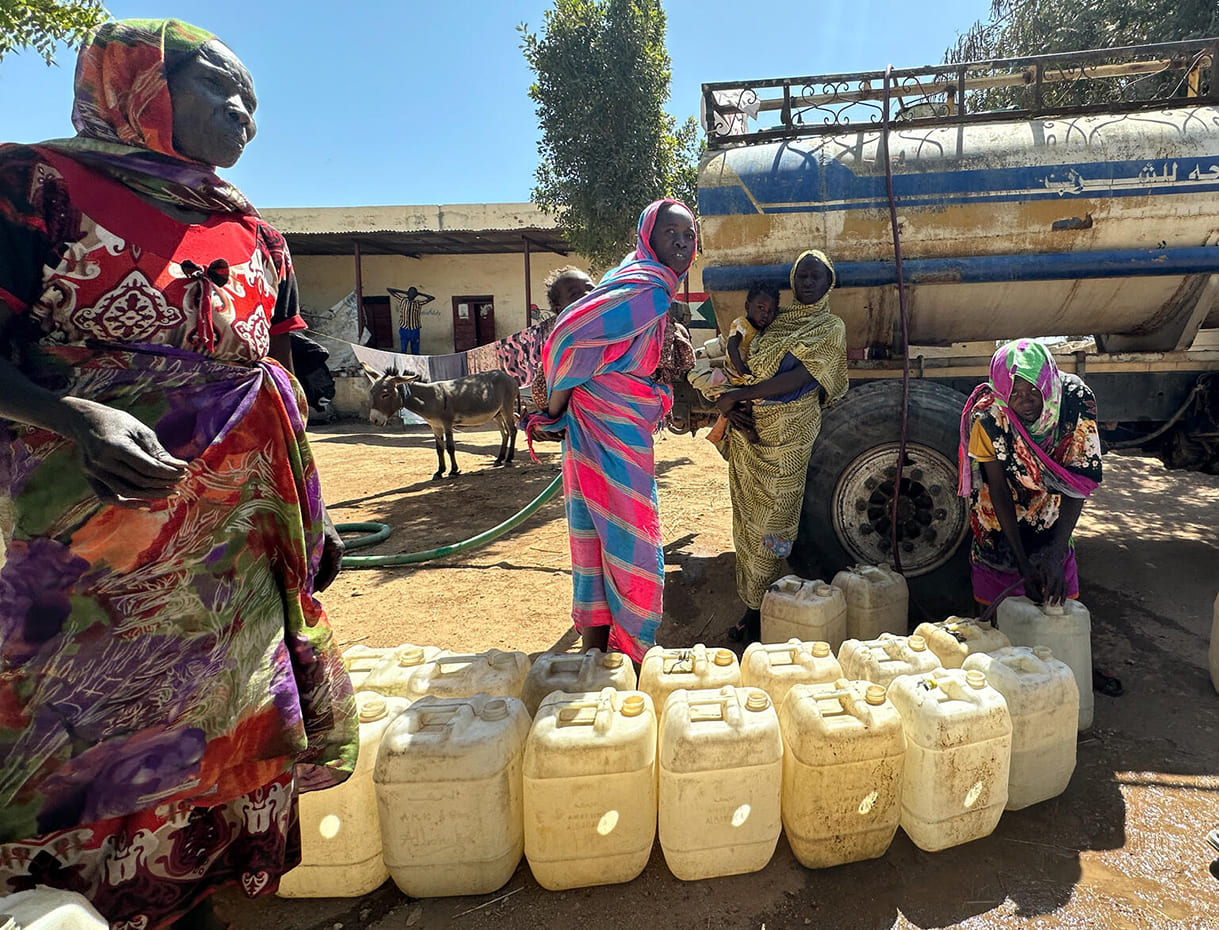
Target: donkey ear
(373, 375)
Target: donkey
(467, 401)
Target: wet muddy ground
(1123, 848)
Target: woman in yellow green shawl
(799, 365)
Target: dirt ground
(1123, 848)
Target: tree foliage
(40, 24)
(608, 148)
(1018, 28)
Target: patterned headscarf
(630, 297)
(791, 277)
(809, 332)
(1031, 361)
(122, 90)
(123, 115)
(643, 246)
(619, 325)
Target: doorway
(379, 322)
(473, 322)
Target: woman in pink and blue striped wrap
(598, 363)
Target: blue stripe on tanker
(776, 185)
(985, 269)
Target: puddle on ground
(1106, 884)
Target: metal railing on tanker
(1130, 79)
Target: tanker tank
(1073, 195)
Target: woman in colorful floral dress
(168, 680)
(1029, 458)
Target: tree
(1019, 28)
(608, 148)
(40, 24)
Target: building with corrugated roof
(483, 264)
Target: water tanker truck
(1072, 196)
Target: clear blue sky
(425, 101)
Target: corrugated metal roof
(426, 242)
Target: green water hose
(380, 532)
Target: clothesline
(519, 354)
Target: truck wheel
(849, 493)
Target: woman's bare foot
(595, 637)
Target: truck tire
(848, 494)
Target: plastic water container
(1066, 629)
(391, 675)
(878, 600)
(360, 660)
(777, 667)
(882, 659)
(1214, 656)
(957, 637)
(810, 611)
(496, 673)
(958, 752)
(721, 779)
(843, 747)
(340, 833)
(449, 794)
(576, 674)
(45, 908)
(664, 671)
(590, 788)
(1043, 702)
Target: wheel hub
(931, 519)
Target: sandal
(1106, 684)
(748, 629)
(1213, 839)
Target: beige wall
(325, 280)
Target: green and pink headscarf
(1031, 361)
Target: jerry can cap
(821, 650)
(875, 695)
(723, 657)
(372, 707)
(976, 679)
(412, 656)
(917, 643)
(757, 700)
(496, 709)
(632, 705)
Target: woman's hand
(332, 554)
(1047, 567)
(741, 417)
(124, 462)
(1034, 582)
(727, 401)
